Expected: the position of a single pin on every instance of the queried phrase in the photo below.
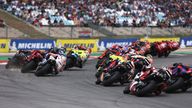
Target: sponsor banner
(4, 45)
(106, 43)
(159, 39)
(31, 44)
(186, 42)
(70, 43)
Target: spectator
(102, 12)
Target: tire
(115, 76)
(159, 55)
(69, 63)
(29, 66)
(41, 71)
(7, 65)
(175, 86)
(167, 53)
(126, 90)
(140, 92)
(186, 86)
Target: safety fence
(99, 31)
(12, 45)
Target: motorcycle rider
(180, 68)
(81, 53)
(79, 47)
(105, 65)
(56, 53)
(141, 62)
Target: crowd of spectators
(135, 13)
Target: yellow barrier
(159, 39)
(4, 45)
(70, 43)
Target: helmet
(62, 51)
(81, 47)
(75, 47)
(148, 66)
(54, 50)
(149, 59)
(167, 73)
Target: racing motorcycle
(32, 61)
(149, 81)
(18, 59)
(172, 46)
(181, 79)
(103, 57)
(53, 65)
(162, 49)
(76, 58)
(116, 71)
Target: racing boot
(98, 74)
(55, 71)
(79, 63)
(126, 90)
(99, 71)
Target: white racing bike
(53, 65)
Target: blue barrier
(106, 43)
(31, 44)
(185, 42)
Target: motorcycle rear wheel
(29, 66)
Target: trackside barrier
(70, 43)
(159, 39)
(4, 45)
(186, 42)
(108, 42)
(31, 44)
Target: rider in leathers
(141, 62)
(56, 52)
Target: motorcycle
(172, 46)
(76, 58)
(103, 57)
(54, 65)
(162, 49)
(116, 71)
(32, 61)
(181, 79)
(18, 59)
(148, 82)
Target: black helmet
(54, 50)
(62, 51)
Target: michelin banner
(159, 39)
(4, 45)
(106, 43)
(70, 43)
(31, 44)
(186, 42)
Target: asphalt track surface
(75, 88)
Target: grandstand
(67, 18)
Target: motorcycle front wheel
(113, 78)
(175, 85)
(29, 66)
(148, 89)
(43, 70)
